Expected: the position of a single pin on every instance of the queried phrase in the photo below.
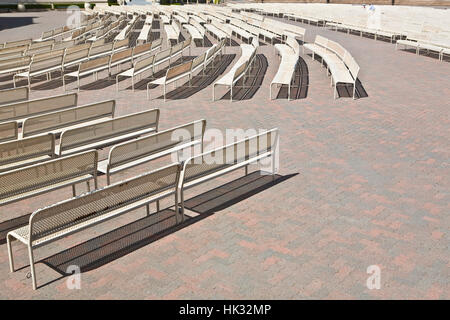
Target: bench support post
(10, 255)
(33, 273)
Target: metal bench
(289, 53)
(256, 149)
(56, 122)
(13, 95)
(30, 181)
(28, 151)
(20, 110)
(46, 66)
(88, 67)
(143, 150)
(14, 64)
(238, 70)
(108, 132)
(67, 217)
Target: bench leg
(157, 205)
(33, 272)
(88, 185)
(10, 255)
(148, 209)
(73, 190)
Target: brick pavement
(362, 182)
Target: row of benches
(152, 62)
(339, 61)
(187, 69)
(239, 69)
(60, 59)
(69, 216)
(115, 59)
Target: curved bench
(289, 53)
(238, 70)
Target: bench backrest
(121, 43)
(178, 70)
(11, 55)
(232, 154)
(143, 63)
(79, 47)
(321, 41)
(17, 43)
(47, 34)
(292, 42)
(30, 52)
(94, 64)
(27, 148)
(9, 131)
(90, 205)
(199, 60)
(64, 45)
(75, 56)
(351, 65)
(187, 42)
(14, 49)
(177, 48)
(48, 55)
(45, 64)
(142, 48)
(163, 54)
(155, 143)
(60, 119)
(210, 52)
(15, 62)
(124, 54)
(29, 108)
(156, 43)
(18, 181)
(40, 44)
(98, 43)
(336, 48)
(105, 48)
(13, 95)
(73, 138)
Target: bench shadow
(121, 241)
(345, 90)
(200, 81)
(15, 22)
(253, 81)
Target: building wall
(385, 2)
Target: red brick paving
(372, 187)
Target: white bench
(9, 131)
(19, 111)
(40, 67)
(24, 152)
(238, 70)
(65, 218)
(289, 53)
(107, 132)
(340, 63)
(8, 96)
(260, 149)
(146, 149)
(30, 181)
(56, 122)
